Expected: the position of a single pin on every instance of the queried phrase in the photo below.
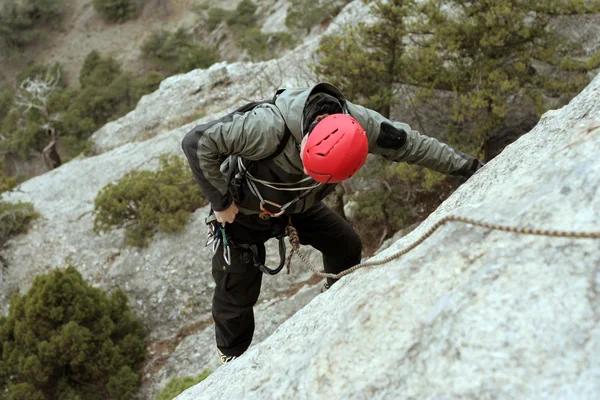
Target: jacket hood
(292, 102)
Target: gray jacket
(255, 135)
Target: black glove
(470, 168)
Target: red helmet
(335, 149)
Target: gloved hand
(227, 215)
(470, 168)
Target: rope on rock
(295, 241)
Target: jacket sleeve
(253, 135)
(397, 142)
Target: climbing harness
(295, 241)
(217, 236)
(265, 213)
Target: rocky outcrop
(471, 312)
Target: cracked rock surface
(471, 312)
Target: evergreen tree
(366, 61)
(116, 10)
(22, 21)
(64, 339)
(487, 52)
(177, 52)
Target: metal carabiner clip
(227, 254)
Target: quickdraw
(216, 235)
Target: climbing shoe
(224, 358)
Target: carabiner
(227, 254)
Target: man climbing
(272, 166)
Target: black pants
(238, 284)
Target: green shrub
(144, 202)
(176, 386)
(243, 22)
(264, 46)
(243, 17)
(488, 53)
(305, 14)
(97, 71)
(7, 183)
(176, 52)
(217, 15)
(107, 93)
(145, 84)
(116, 10)
(405, 194)
(24, 130)
(14, 218)
(22, 22)
(6, 101)
(64, 339)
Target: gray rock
(470, 313)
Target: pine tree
(488, 52)
(116, 10)
(366, 61)
(64, 339)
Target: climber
(273, 164)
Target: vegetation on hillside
(65, 339)
(43, 112)
(243, 22)
(117, 10)
(303, 15)
(485, 54)
(25, 21)
(144, 202)
(177, 52)
(15, 219)
(176, 386)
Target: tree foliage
(14, 217)
(264, 46)
(485, 53)
(23, 21)
(106, 93)
(64, 339)
(144, 202)
(306, 14)
(366, 61)
(176, 386)
(400, 195)
(116, 10)
(30, 123)
(488, 52)
(177, 52)
(243, 23)
(7, 182)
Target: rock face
(471, 312)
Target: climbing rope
(295, 242)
